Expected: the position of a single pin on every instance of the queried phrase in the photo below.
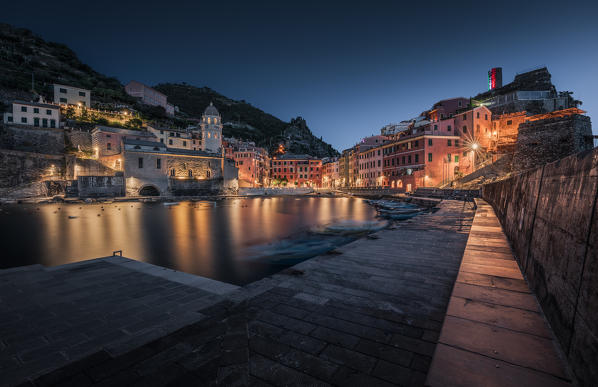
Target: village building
(149, 96)
(331, 177)
(151, 169)
(69, 95)
(33, 114)
(253, 164)
(177, 138)
(370, 167)
(107, 141)
(297, 170)
(211, 130)
(432, 156)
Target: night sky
(347, 68)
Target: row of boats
(396, 210)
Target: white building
(34, 114)
(177, 138)
(211, 130)
(69, 95)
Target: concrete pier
(369, 313)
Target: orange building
(297, 170)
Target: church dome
(211, 110)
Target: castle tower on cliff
(211, 130)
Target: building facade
(150, 169)
(253, 164)
(331, 177)
(297, 170)
(33, 114)
(69, 95)
(177, 138)
(211, 130)
(149, 96)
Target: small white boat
(171, 204)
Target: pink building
(370, 167)
(368, 161)
(330, 174)
(149, 96)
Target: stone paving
(50, 317)
(370, 313)
(494, 333)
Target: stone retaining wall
(31, 139)
(550, 217)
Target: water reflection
(237, 240)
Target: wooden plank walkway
(494, 333)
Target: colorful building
(331, 177)
(432, 156)
(296, 170)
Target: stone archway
(149, 190)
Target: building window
(464, 117)
(509, 122)
(478, 115)
(9, 118)
(23, 108)
(465, 154)
(170, 142)
(36, 110)
(63, 100)
(24, 120)
(448, 128)
(435, 127)
(82, 94)
(162, 140)
(449, 158)
(36, 121)
(429, 157)
(158, 163)
(417, 158)
(190, 173)
(49, 112)
(456, 158)
(449, 142)
(161, 131)
(464, 128)
(477, 128)
(140, 160)
(429, 142)
(172, 172)
(459, 103)
(486, 117)
(456, 142)
(108, 146)
(63, 91)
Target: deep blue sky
(347, 68)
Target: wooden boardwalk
(494, 333)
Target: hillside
(242, 120)
(23, 55)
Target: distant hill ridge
(24, 56)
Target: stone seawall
(550, 217)
(22, 173)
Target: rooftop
(44, 105)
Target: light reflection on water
(235, 240)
